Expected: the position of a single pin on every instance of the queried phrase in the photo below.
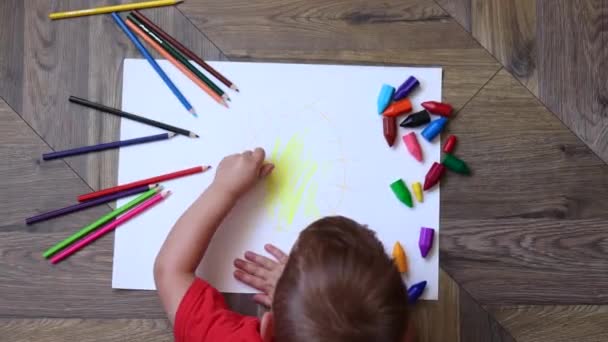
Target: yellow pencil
(115, 8)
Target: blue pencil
(106, 146)
(153, 63)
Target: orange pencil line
(174, 61)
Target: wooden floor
(524, 242)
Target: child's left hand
(261, 272)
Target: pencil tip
(235, 88)
(193, 112)
(225, 104)
(194, 135)
(172, 134)
(165, 193)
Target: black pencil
(131, 116)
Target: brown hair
(339, 285)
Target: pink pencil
(110, 227)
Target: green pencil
(179, 56)
(101, 221)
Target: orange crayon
(398, 108)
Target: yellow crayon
(399, 258)
(417, 188)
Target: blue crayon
(415, 291)
(433, 129)
(385, 97)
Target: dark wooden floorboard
(528, 226)
(459, 10)
(573, 62)
(477, 325)
(85, 330)
(11, 51)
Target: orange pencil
(176, 63)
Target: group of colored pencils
(149, 191)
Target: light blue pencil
(153, 63)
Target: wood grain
(507, 28)
(573, 67)
(85, 330)
(438, 321)
(477, 325)
(11, 47)
(459, 10)
(527, 227)
(556, 323)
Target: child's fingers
(260, 260)
(250, 268)
(266, 169)
(248, 279)
(277, 253)
(263, 299)
(259, 155)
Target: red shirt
(203, 315)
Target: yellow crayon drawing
(292, 186)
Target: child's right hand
(261, 272)
(237, 173)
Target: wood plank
(573, 67)
(529, 225)
(507, 28)
(85, 330)
(459, 10)
(11, 56)
(438, 321)
(580, 323)
(477, 325)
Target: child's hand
(261, 272)
(237, 173)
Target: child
(336, 285)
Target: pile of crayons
(149, 194)
(391, 104)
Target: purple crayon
(406, 88)
(415, 291)
(425, 243)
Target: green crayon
(455, 164)
(402, 192)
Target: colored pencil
(171, 58)
(115, 8)
(131, 116)
(109, 227)
(184, 50)
(179, 56)
(106, 146)
(153, 63)
(88, 204)
(157, 179)
(99, 222)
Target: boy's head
(339, 285)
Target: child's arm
(187, 242)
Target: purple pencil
(88, 204)
(106, 146)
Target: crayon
(433, 176)
(398, 108)
(399, 258)
(417, 119)
(438, 108)
(411, 142)
(417, 188)
(454, 164)
(415, 291)
(433, 129)
(402, 192)
(389, 125)
(450, 143)
(406, 88)
(385, 96)
(425, 242)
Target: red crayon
(449, 145)
(438, 108)
(433, 176)
(389, 124)
(398, 108)
(411, 142)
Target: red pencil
(152, 180)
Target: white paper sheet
(322, 124)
